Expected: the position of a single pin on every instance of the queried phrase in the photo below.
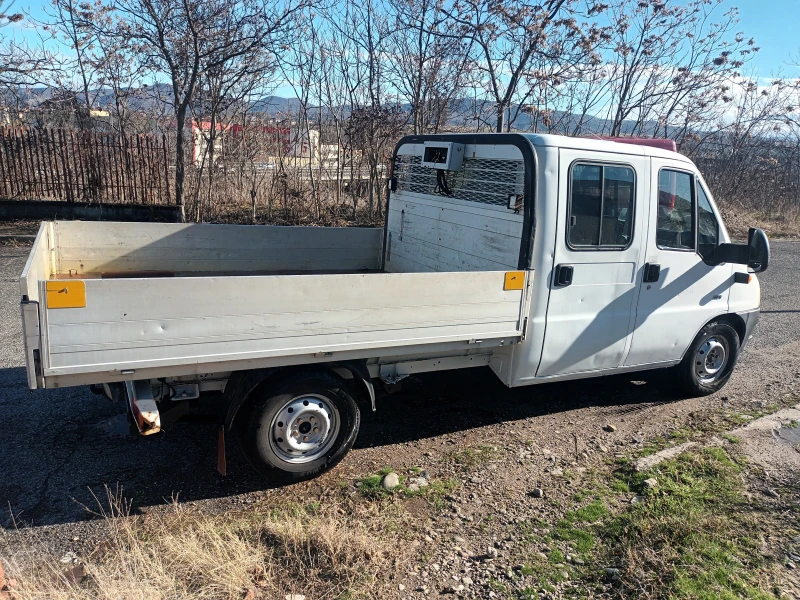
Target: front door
(593, 292)
(682, 292)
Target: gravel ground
(62, 446)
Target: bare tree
(427, 66)
(508, 35)
(20, 63)
(188, 39)
(669, 62)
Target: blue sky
(773, 23)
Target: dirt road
(60, 446)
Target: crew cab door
(597, 253)
(679, 292)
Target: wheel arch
(732, 319)
(242, 384)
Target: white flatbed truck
(542, 257)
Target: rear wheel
(710, 360)
(301, 427)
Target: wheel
(710, 360)
(301, 427)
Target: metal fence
(82, 166)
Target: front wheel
(710, 360)
(302, 427)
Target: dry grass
(785, 225)
(321, 551)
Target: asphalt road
(59, 448)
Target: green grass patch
(694, 537)
(435, 492)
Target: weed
(471, 458)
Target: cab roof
(547, 140)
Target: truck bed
(168, 299)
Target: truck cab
(623, 240)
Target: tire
(301, 427)
(710, 360)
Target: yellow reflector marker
(66, 294)
(515, 280)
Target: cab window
(675, 223)
(600, 207)
(707, 225)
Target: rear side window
(600, 207)
(707, 225)
(675, 224)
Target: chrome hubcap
(710, 359)
(304, 429)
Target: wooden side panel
(139, 323)
(89, 248)
(39, 264)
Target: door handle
(652, 271)
(563, 276)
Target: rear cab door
(680, 292)
(602, 222)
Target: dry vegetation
(325, 550)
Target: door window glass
(675, 224)
(707, 225)
(601, 206)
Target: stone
(250, 595)
(420, 482)
(557, 472)
(790, 565)
(401, 587)
(609, 428)
(423, 589)
(467, 581)
(637, 499)
(425, 474)
(602, 448)
(295, 597)
(413, 487)
(75, 574)
(636, 439)
(390, 481)
(650, 484)
(578, 561)
(537, 493)
(771, 493)
(454, 589)
(611, 573)
(68, 558)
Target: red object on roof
(663, 143)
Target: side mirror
(758, 250)
(754, 254)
